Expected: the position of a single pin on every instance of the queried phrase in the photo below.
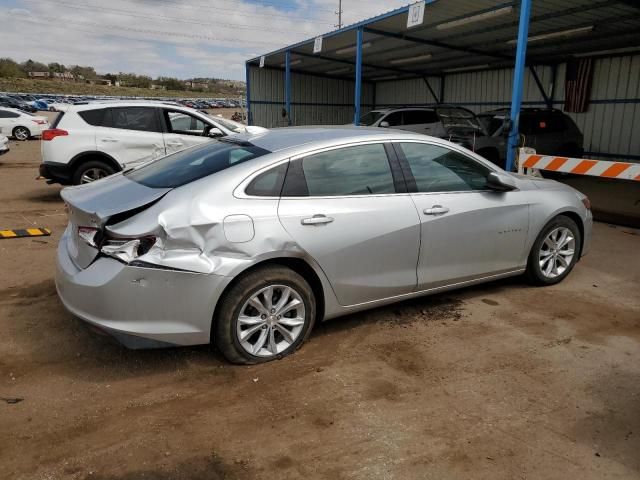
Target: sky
(176, 38)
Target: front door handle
(436, 210)
(109, 140)
(316, 220)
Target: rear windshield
(194, 163)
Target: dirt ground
(502, 381)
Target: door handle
(109, 140)
(436, 210)
(316, 220)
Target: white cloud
(181, 38)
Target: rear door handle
(109, 140)
(436, 210)
(316, 220)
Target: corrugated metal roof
(467, 34)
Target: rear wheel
(91, 171)
(555, 252)
(21, 133)
(266, 315)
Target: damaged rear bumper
(139, 307)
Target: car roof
(399, 109)
(119, 103)
(290, 137)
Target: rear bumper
(139, 307)
(57, 173)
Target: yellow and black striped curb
(27, 232)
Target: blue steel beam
(287, 85)
(248, 84)
(518, 77)
(356, 114)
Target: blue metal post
(518, 77)
(287, 85)
(248, 78)
(356, 115)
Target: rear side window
(268, 184)
(94, 117)
(5, 114)
(358, 170)
(194, 163)
(135, 118)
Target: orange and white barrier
(581, 166)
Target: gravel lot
(501, 381)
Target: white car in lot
(4, 145)
(91, 141)
(21, 125)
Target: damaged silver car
(248, 241)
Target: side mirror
(501, 182)
(215, 132)
(384, 124)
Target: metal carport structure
(464, 52)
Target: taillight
(88, 234)
(127, 250)
(52, 133)
(39, 122)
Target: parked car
(21, 125)
(8, 102)
(452, 123)
(4, 145)
(549, 131)
(88, 142)
(250, 240)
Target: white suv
(91, 141)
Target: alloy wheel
(271, 320)
(93, 174)
(557, 252)
(21, 133)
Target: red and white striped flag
(577, 85)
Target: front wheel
(266, 315)
(555, 252)
(21, 133)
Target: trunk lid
(91, 206)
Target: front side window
(417, 117)
(192, 164)
(439, 169)
(135, 118)
(393, 119)
(184, 124)
(357, 170)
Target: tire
(259, 327)
(21, 133)
(549, 264)
(91, 171)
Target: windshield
(370, 118)
(194, 163)
(458, 118)
(235, 127)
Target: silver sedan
(248, 241)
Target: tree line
(9, 68)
